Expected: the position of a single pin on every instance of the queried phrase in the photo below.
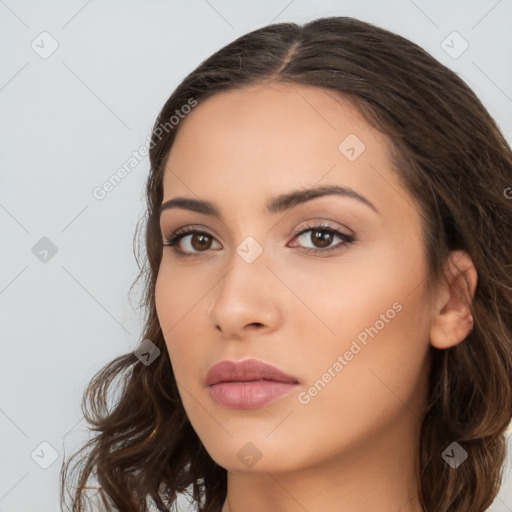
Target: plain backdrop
(81, 83)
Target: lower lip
(250, 394)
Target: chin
(256, 456)
(233, 464)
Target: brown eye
(189, 241)
(321, 237)
(200, 241)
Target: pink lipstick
(247, 384)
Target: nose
(246, 299)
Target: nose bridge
(244, 294)
(246, 270)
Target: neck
(380, 474)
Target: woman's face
(349, 322)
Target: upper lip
(246, 370)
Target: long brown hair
(450, 155)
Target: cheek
(178, 302)
(181, 300)
(343, 297)
(358, 388)
(176, 295)
(375, 314)
(381, 379)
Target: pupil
(202, 244)
(324, 240)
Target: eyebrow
(275, 205)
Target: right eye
(199, 241)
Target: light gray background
(69, 121)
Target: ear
(452, 320)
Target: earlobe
(452, 319)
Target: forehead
(259, 141)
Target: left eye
(323, 236)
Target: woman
(328, 286)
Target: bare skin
(351, 445)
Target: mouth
(247, 384)
(249, 394)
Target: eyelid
(312, 224)
(347, 238)
(179, 233)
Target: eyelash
(175, 237)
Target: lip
(247, 384)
